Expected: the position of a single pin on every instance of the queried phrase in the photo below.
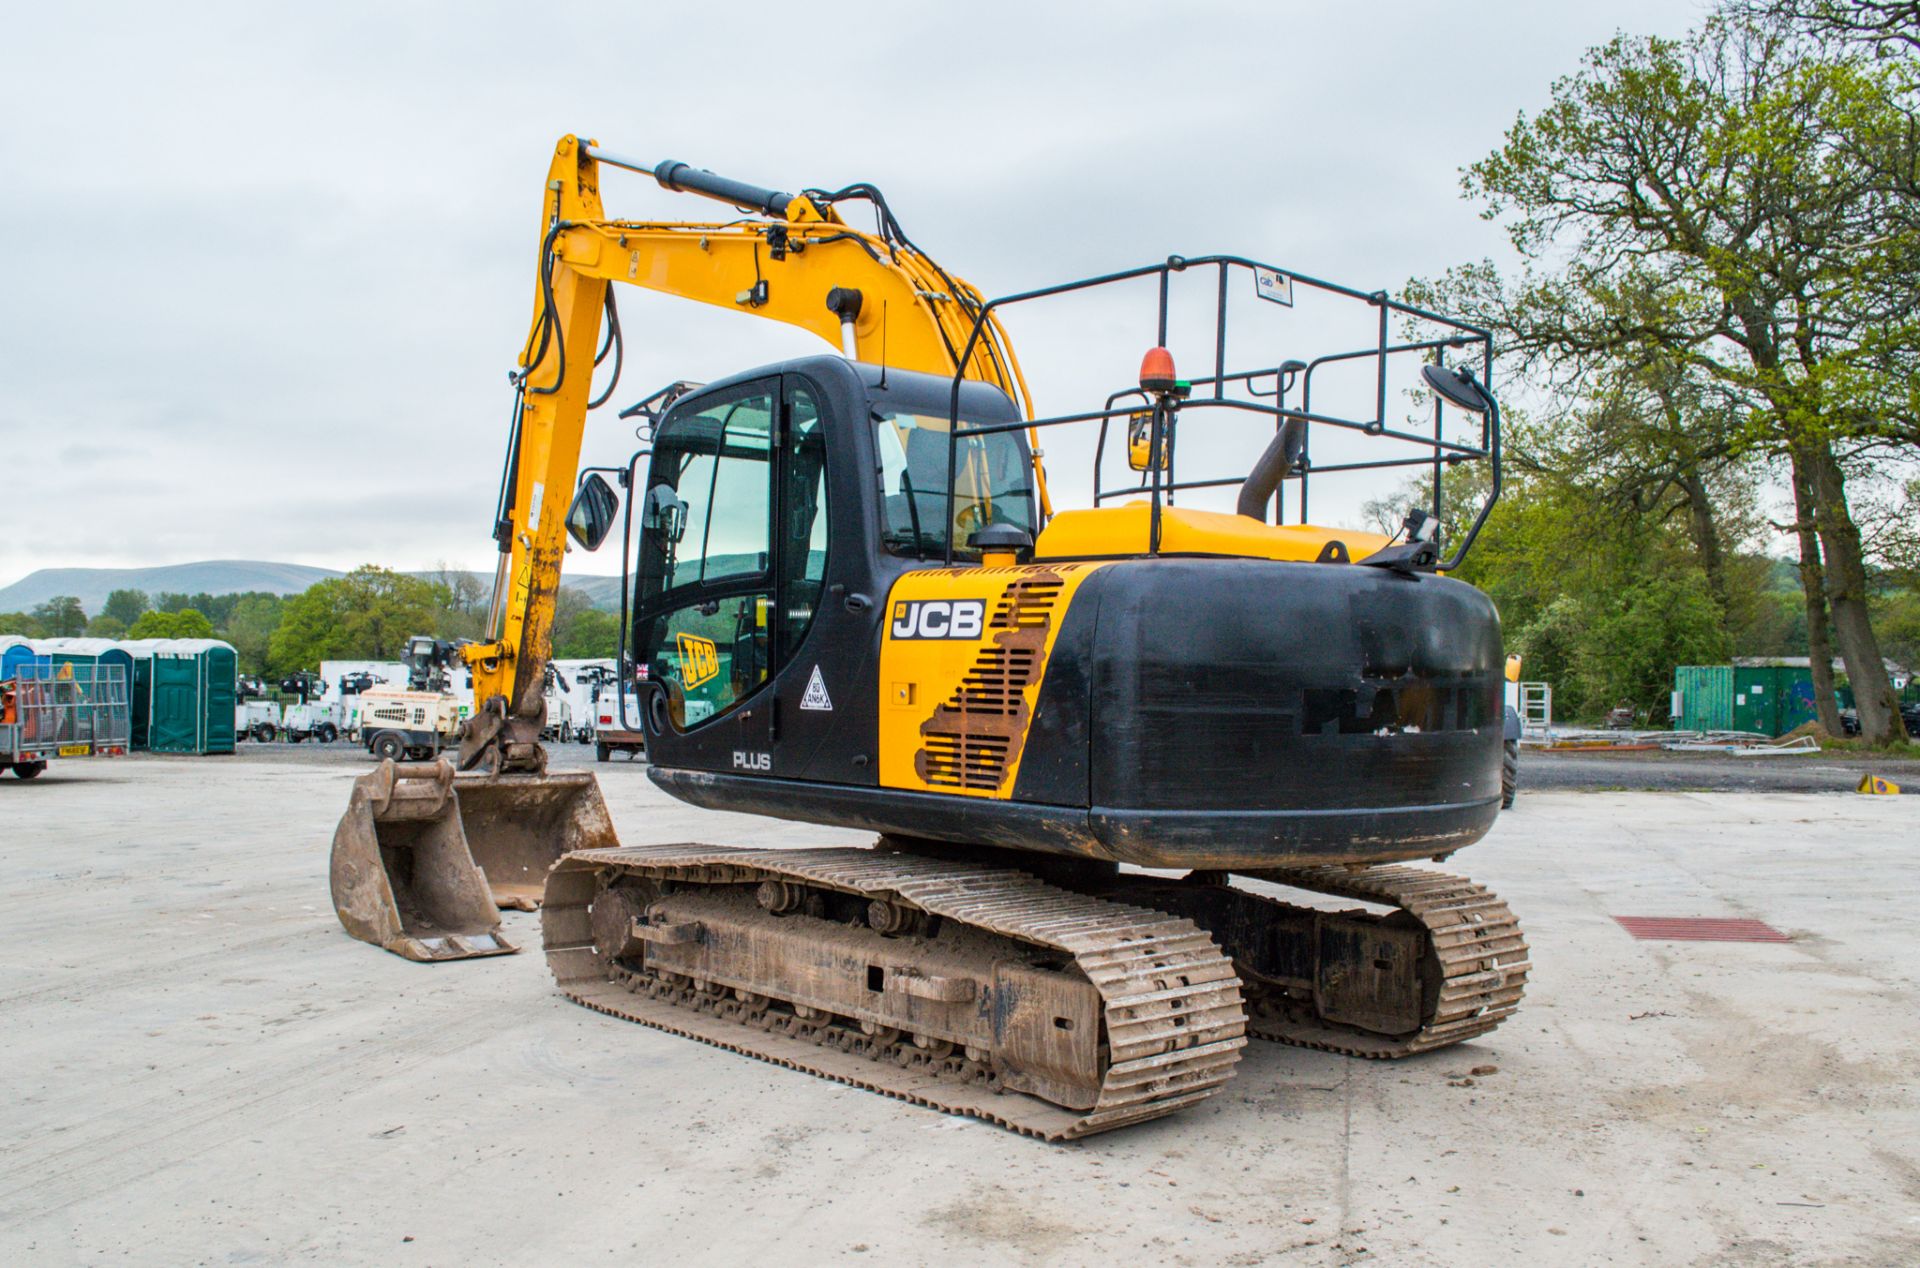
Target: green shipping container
(190, 696)
(1703, 698)
(1772, 699)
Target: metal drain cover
(1700, 929)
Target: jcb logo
(699, 660)
(939, 618)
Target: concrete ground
(199, 1066)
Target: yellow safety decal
(962, 659)
(699, 660)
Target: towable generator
(1104, 749)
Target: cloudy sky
(267, 266)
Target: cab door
(731, 565)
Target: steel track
(1477, 940)
(1173, 1018)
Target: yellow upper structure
(1123, 530)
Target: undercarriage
(1060, 1007)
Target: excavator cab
(780, 506)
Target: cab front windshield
(994, 485)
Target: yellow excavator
(1117, 757)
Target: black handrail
(1439, 452)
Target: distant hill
(214, 576)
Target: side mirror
(1457, 387)
(590, 518)
(1140, 442)
(665, 513)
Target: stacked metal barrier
(50, 710)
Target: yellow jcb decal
(699, 660)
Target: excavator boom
(416, 843)
(875, 296)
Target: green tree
(23, 624)
(125, 606)
(61, 617)
(250, 626)
(569, 606)
(106, 625)
(186, 623)
(1637, 634)
(366, 615)
(591, 634)
(1714, 202)
(462, 602)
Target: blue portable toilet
(16, 653)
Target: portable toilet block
(190, 695)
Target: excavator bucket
(421, 859)
(519, 825)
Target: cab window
(994, 485)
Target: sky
(267, 267)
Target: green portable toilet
(68, 651)
(190, 695)
(140, 683)
(90, 651)
(1703, 698)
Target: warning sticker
(816, 697)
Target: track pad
(1368, 973)
(1047, 1033)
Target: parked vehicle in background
(417, 721)
(257, 720)
(610, 721)
(559, 727)
(582, 677)
(312, 721)
(400, 725)
(1909, 715)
